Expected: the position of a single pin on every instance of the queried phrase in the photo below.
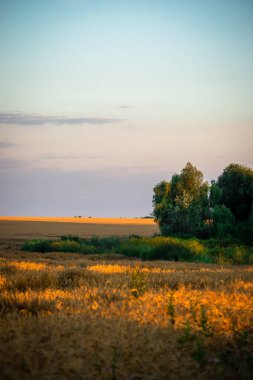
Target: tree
(223, 221)
(181, 205)
(236, 185)
(215, 194)
(186, 204)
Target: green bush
(75, 245)
(38, 246)
(77, 239)
(89, 249)
(110, 243)
(233, 255)
(162, 248)
(66, 246)
(136, 248)
(152, 248)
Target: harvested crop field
(41, 227)
(72, 316)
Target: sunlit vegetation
(128, 306)
(150, 248)
(223, 209)
(108, 317)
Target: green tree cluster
(189, 205)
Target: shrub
(222, 250)
(232, 255)
(71, 238)
(38, 246)
(66, 246)
(162, 248)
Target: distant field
(45, 227)
(89, 220)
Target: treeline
(189, 206)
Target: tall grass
(107, 319)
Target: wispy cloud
(58, 157)
(5, 144)
(70, 156)
(26, 119)
(125, 106)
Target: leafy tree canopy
(236, 185)
(179, 204)
(187, 205)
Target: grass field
(69, 316)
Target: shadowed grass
(96, 317)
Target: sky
(102, 99)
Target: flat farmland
(42, 227)
(73, 316)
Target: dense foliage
(181, 204)
(188, 205)
(236, 184)
(149, 248)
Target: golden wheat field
(44, 227)
(71, 316)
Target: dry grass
(68, 316)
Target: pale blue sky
(102, 99)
